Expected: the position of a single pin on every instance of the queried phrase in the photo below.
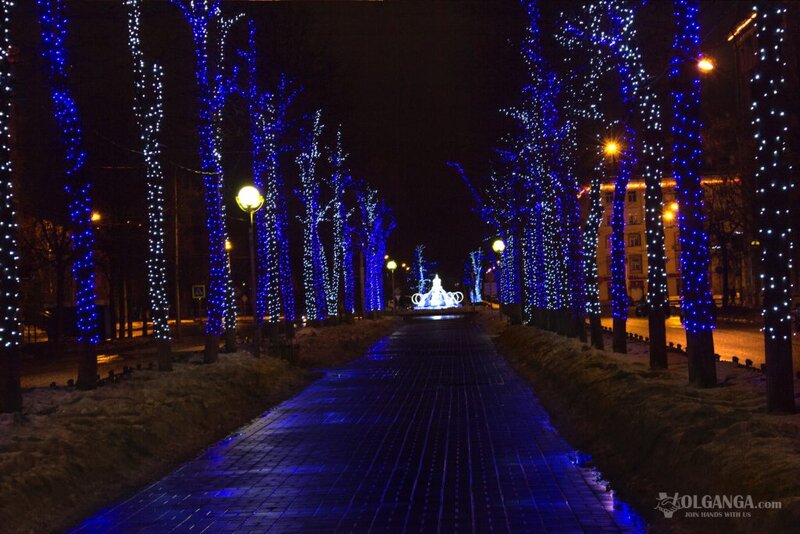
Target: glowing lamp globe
(391, 265)
(498, 246)
(611, 148)
(249, 199)
(704, 64)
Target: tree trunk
(726, 298)
(164, 354)
(10, 391)
(61, 278)
(230, 340)
(87, 368)
(702, 362)
(211, 353)
(596, 329)
(620, 341)
(657, 330)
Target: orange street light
(611, 148)
(96, 216)
(705, 65)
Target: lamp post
(392, 265)
(498, 246)
(250, 201)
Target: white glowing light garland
(774, 188)
(314, 267)
(10, 327)
(342, 278)
(148, 107)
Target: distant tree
(474, 270)
(314, 265)
(421, 271)
(729, 223)
(47, 248)
(377, 224)
(342, 275)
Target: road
(744, 341)
(431, 431)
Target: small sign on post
(199, 292)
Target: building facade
(728, 263)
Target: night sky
(415, 84)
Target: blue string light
(377, 225)
(342, 275)
(314, 265)
(201, 15)
(54, 32)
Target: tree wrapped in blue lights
(697, 302)
(619, 285)
(774, 187)
(202, 15)
(546, 160)
(421, 270)
(148, 108)
(377, 225)
(342, 276)
(501, 204)
(267, 111)
(52, 18)
(590, 270)
(314, 264)
(474, 273)
(607, 28)
(10, 327)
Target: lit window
(635, 263)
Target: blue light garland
(314, 265)
(201, 14)
(54, 32)
(342, 273)
(377, 225)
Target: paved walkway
(430, 432)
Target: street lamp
(392, 265)
(250, 201)
(498, 246)
(705, 65)
(611, 148)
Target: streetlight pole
(250, 201)
(498, 246)
(392, 265)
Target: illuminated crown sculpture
(437, 298)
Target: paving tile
(431, 431)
